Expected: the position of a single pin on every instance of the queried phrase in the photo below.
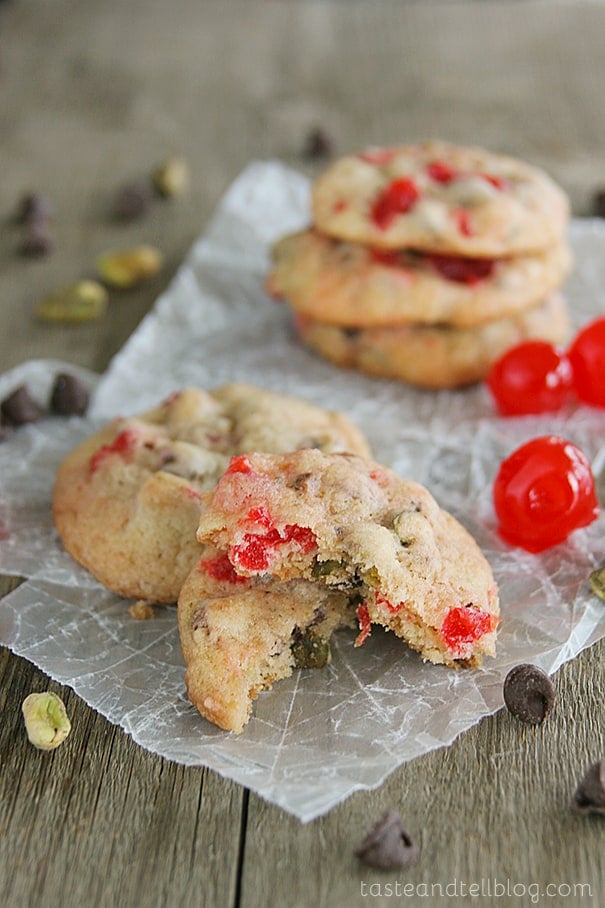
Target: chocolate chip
(589, 796)
(36, 241)
(317, 145)
(529, 693)
(33, 208)
(19, 407)
(598, 203)
(132, 201)
(69, 395)
(387, 846)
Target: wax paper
(319, 735)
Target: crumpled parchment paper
(320, 735)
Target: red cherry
(543, 492)
(587, 357)
(465, 625)
(123, 444)
(463, 222)
(396, 198)
(441, 172)
(532, 377)
(462, 270)
(220, 568)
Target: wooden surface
(94, 94)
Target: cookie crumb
(141, 611)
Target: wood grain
(94, 95)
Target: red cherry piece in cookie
(253, 553)
(462, 270)
(220, 568)
(239, 464)
(531, 377)
(441, 172)
(392, 258)
(365, 624)
(384, 602)
(377, 156)
(463, 222)
(587, 358)
(543, 492)
(497, 182)
(397, 198)
(124, 443)
(465, 625)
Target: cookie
(433, 356)
(239, 636)
(347, 284)
(350, 524)
(442, 198)
(126, 502)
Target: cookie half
(433, 356)
(347, 284)
(353, 525)
(127, 501)
(240, 636)
(440, 197)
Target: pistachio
(46, 720)
(129, 267)
(323, 568)
(597, 582)
(311, 651)
(171, 177)
(83, 301)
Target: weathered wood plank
(99, 821)
(492, 808)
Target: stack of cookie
(424, 263)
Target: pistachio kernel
(83, 301)
(597, 582)
(311, 651)
(46, 720)
(323, 568)
(171, 177)
(128, 268)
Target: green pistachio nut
(128, 268)
(83, 301)
(171, 178)
(597, 582)
(46, 720)
(311, 651)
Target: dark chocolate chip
(33, 208)
(132, 201)
(598, 203)
(69, 395)
(529, 693)
(20, 407)
(317, 145)
(387, 846)
(36, 241)
(589, 796)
